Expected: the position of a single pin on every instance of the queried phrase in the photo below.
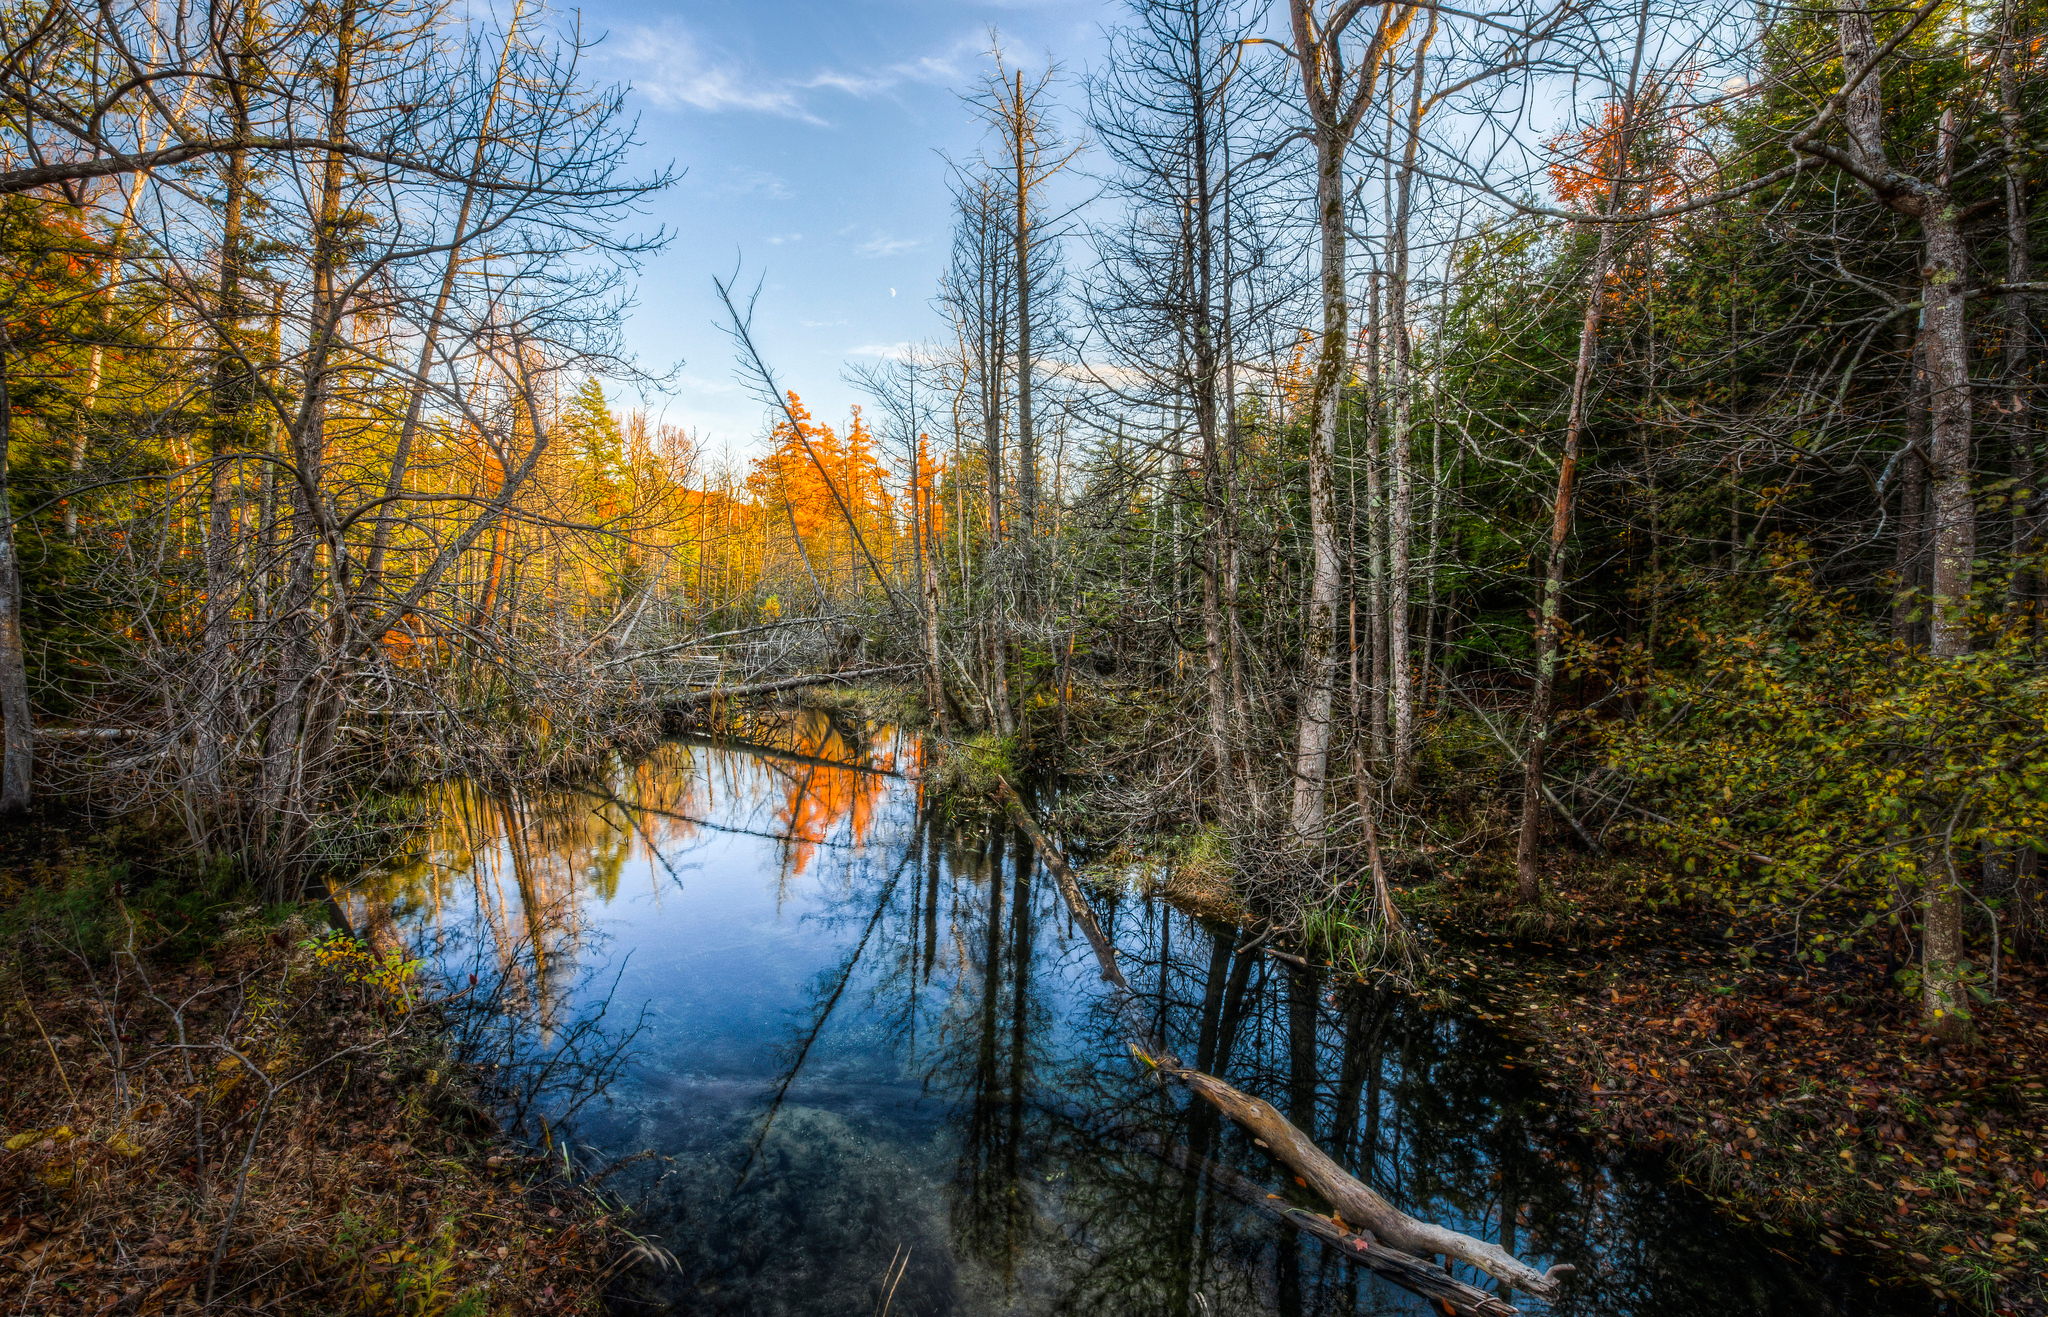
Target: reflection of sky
(771, 908)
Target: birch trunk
(1401, 511)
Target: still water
(878, 1072)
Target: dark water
(880, 1073)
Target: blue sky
(811, 134)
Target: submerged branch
(1354, 1202)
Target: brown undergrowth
(1805, 1098)
(271, 1125)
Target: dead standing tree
(1930, 200)
(1164, 298)
(1615, 163)
(1336, 93)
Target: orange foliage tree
(806, 533)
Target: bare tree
(1337, 90)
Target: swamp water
(879, 1073)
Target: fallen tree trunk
(1355, 1203)
(89, 733)
(690, 698)
(1410, 1273)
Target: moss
(967, 773)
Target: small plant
(391, 973)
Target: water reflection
(881, 1071)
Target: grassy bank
(210, 1104)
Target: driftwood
(1355, 1203)
(690, 698)
(1410, 1273)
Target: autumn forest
(1548, 486)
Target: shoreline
(311, 1144)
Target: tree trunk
(1528, 875)
(2019, 327)
(1319, 638)
(1954, 514)
(1909, 620)
(1375, 536)
(17, 772)
(1027, 442)
(1401, 512)
(1945, 354)
(928, 578)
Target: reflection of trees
(1417, 1103)
(830, 987)
(959, 959)
(526, 858)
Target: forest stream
(879, 1072)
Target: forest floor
(1807, 1099)
(344, 1164)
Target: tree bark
(1944, 335)
(1401, 512)
(1528, 876)
(1335, 93)
(1375, 538)
(18, 770)
(1909, 620)
(1027, 440)
(1319, 638)
(2019, 329)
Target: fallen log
(689, 698)
(1354, 1202)
(1410, 1273)
(89, 733)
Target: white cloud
(755, 183)
(676, 70)
(1099, 372)
(884, 245)
(886, 351)
(940, 69)
(689, 383)
(777, 239)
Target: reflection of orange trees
(813, 796)
(528, 860)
